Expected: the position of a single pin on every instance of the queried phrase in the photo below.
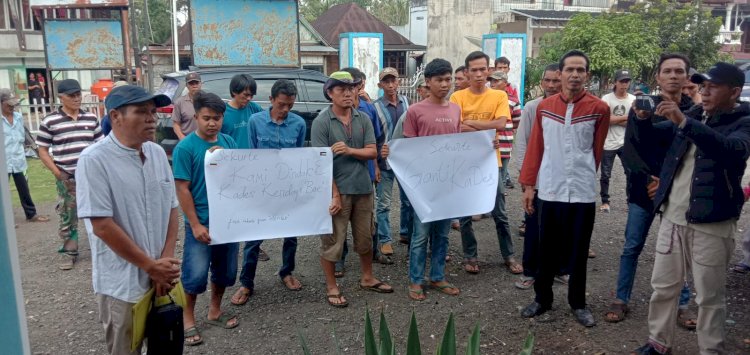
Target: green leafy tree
(153, 20)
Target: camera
(647, 102)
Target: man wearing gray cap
(183, 115)
(126, 196)
(64, 135)
(700, 199)
(15, 157)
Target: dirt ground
(62, 317)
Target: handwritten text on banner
(256, 194)
(447, 176)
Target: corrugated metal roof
(546, 14)
(322, 49)
(352, 18)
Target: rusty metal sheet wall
(245, 32)
(83, 44)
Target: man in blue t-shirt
(198, 254)
(276, 128)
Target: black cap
(621, 75)
(721, 73)
(131, 94)
(68, 86)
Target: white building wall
(450, 22)
(418, 25)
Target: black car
(310, 99)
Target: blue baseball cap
(131, 94)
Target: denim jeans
(437, 233)
(407, 215)
(469, 240)
(250, 260)
(636, 231)
(504, 175)
(384, 191)
(198, 257)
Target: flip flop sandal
(686, 319)
(420, 295)
(524, 283)
(245, 294)
(618, 310)
(338, 297)
(473, 264)
(289, 287)
(339, 272)
(223, 321)
(444, 288)
(193, 332)
(38, 218)
(512, 263)
(741, 269)
(376, 288)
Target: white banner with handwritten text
(256, 194)
(447, 176)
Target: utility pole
(175, 35)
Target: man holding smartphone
(700, 200)
(643, 171)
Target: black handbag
(164, 329)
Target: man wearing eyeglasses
(183, 121)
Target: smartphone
(647, 102)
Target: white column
(728, 18)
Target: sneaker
(534, 309)
(522, 229)
(262, 256)
(386, 249)
(67, 261)
(648, 349)
(509, 184)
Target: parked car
(310, 99)
(745, 95)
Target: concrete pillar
(728, 18)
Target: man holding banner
(563, 154)
(433, 116)
(352, 140)
(275, 128)
(485, 109)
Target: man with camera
(642, 171)
(700, 198)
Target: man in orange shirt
(483, 109)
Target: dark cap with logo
(721, 73)
(621, 75)
(131, 94)
(192, 77)
(68, 86)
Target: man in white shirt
(619, 101)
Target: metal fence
(33, 114)
(408, 86)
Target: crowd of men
(684, 158)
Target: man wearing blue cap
(700, 199)
(126, 196)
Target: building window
(30, 22)
(395, 60)
(3, 17)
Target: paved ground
(62, 318)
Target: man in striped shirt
(63, 135)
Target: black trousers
(608, 161)
(531, 245)
(24, 194)
(564, 237)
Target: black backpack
(164, 329)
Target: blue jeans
(636, 231)
(504, 175)
(437, 233)
(198, 257)
(385, 191)
(407, 215)
(469, 240)
(250, 260)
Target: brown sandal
(687, 319)
(616, 312)
(471, 266)
(337, 296)
(417, 294)
(241, 296)
(514, 266)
